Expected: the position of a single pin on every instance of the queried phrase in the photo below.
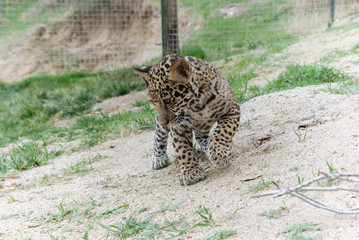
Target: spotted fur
(191, 96)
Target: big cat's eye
(164, 94)
(167, 100)
(166, 97)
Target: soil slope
(266, 145)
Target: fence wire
(56, 36)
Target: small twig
(251, 179)
(297, 191)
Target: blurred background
(59, 36)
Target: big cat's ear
(180, 71)
(143, 71)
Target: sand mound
(265, 145)
(88, 39)
(100, 35)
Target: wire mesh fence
(226, 27)
(56, 36)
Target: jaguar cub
(190, 96)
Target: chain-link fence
(222, 28)
(56, 36)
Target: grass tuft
(25, 156)
(297, 76)
(305, 75)
(114, 211)
(295, 230)
(131, 226)
(219, 234)
(27, 108)
(260, 186)
(83, 167)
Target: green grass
(131, 225)
(114, 211)
(346, 87)
(344, 28)
(90, 129)
(93, 129)
(222, 37)
(16, 9)
(84, 167)
(170, 207)
(295, 231)
(219, 234)
(259, 187)
(305, 75)
(62, 214)
(149, 227)
(275, 213)
(28, 108)
(25, 156)
(296, 76)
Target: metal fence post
(331, 11)
(170, 41)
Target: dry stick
(298, 191)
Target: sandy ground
(265, 145)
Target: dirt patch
(266, 145)
(119, 104)
(89, 39)
(111, 106)
(101, 35)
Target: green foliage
(295, 230)
(15, 10)
(275, 213)
(27, 155)
(170, 207)
(346, 86)
(301, 136)
(296, 76)
(232, 214)
(119, 209)
(131, 225)
(206, 216)
(239, 36)
(83, 167)
(332, 170)
(219, 234)
(147, 227)
(94, 129)
(27, 108)
(260, 186)
(194, 51)
(63, 213)
(328, 182)
(304, 75)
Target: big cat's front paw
(159, 162)
(192, 175)
(219, 153)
